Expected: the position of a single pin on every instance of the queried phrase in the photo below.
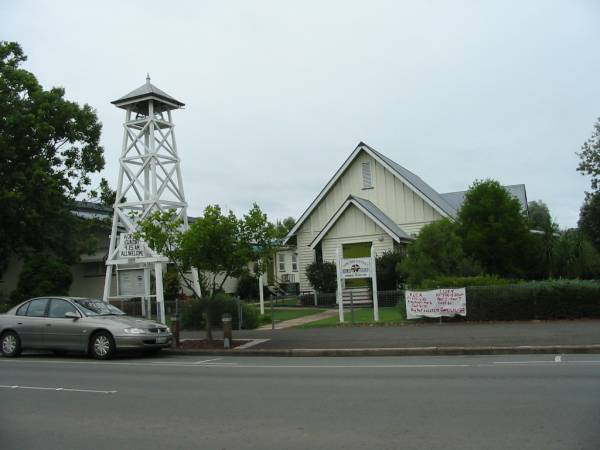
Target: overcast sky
(279, 93)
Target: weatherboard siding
(355, 227)
(397, 200)
(393, 197)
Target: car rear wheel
(10, 344)
(102, 345)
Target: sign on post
(351, 268)
(130, 247)
(436, 303)
(356, 268)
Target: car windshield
(92, 307)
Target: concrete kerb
(407, 351)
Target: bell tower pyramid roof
(137, 100)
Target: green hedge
(460, 282)
(4, 307)
(544, 300)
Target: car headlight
(134, 331)
(168, 330)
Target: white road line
(58, 389)
(252, 343)
(208, 360)
(301, 366)
(557, 359)
(524, 362)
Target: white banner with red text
(436, 303)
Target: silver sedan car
(64, 324)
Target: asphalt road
(175, 402)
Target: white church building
(371, 201)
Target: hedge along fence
(543, 300)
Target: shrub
(4, 307)
(247, 286)
(42, 275)
(322, 276)
(437, 251)
(545, 300)
(193, 313)
(388, 278)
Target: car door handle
(19, 323)
(48, 324)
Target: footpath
(301, 320)
(560, 336)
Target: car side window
(22, 311)
(59, 307)
(37, 307)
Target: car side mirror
(71, 315)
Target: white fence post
(261, 295)
(160, 301)
(374, 278)
(340, 296)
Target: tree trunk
(209, 336)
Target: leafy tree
(575, 256)
(388, 277)
(220, 245)
(437, 251)
(494, 229)
(543, 241)
(322, 276)
(42, 275)
(283, 227)
(48, 148)
(590, 157)
(539, 215)
(171, 285)
(589, 218)
(104, 193)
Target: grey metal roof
(146, 90)
(417, 183)
(456, 199)
(382, 217)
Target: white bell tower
(149, 180)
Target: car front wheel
(10, 344)
(102, 345)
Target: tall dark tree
(546, 233)
(104, 194)
(48, 148)
(589, 219)
(495, 229)
(283, 227)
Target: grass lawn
(388, 315)
(287, 314)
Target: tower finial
(147, 78)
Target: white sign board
(437, 303)
(131, 283)
(356, 268)
(130, 247)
